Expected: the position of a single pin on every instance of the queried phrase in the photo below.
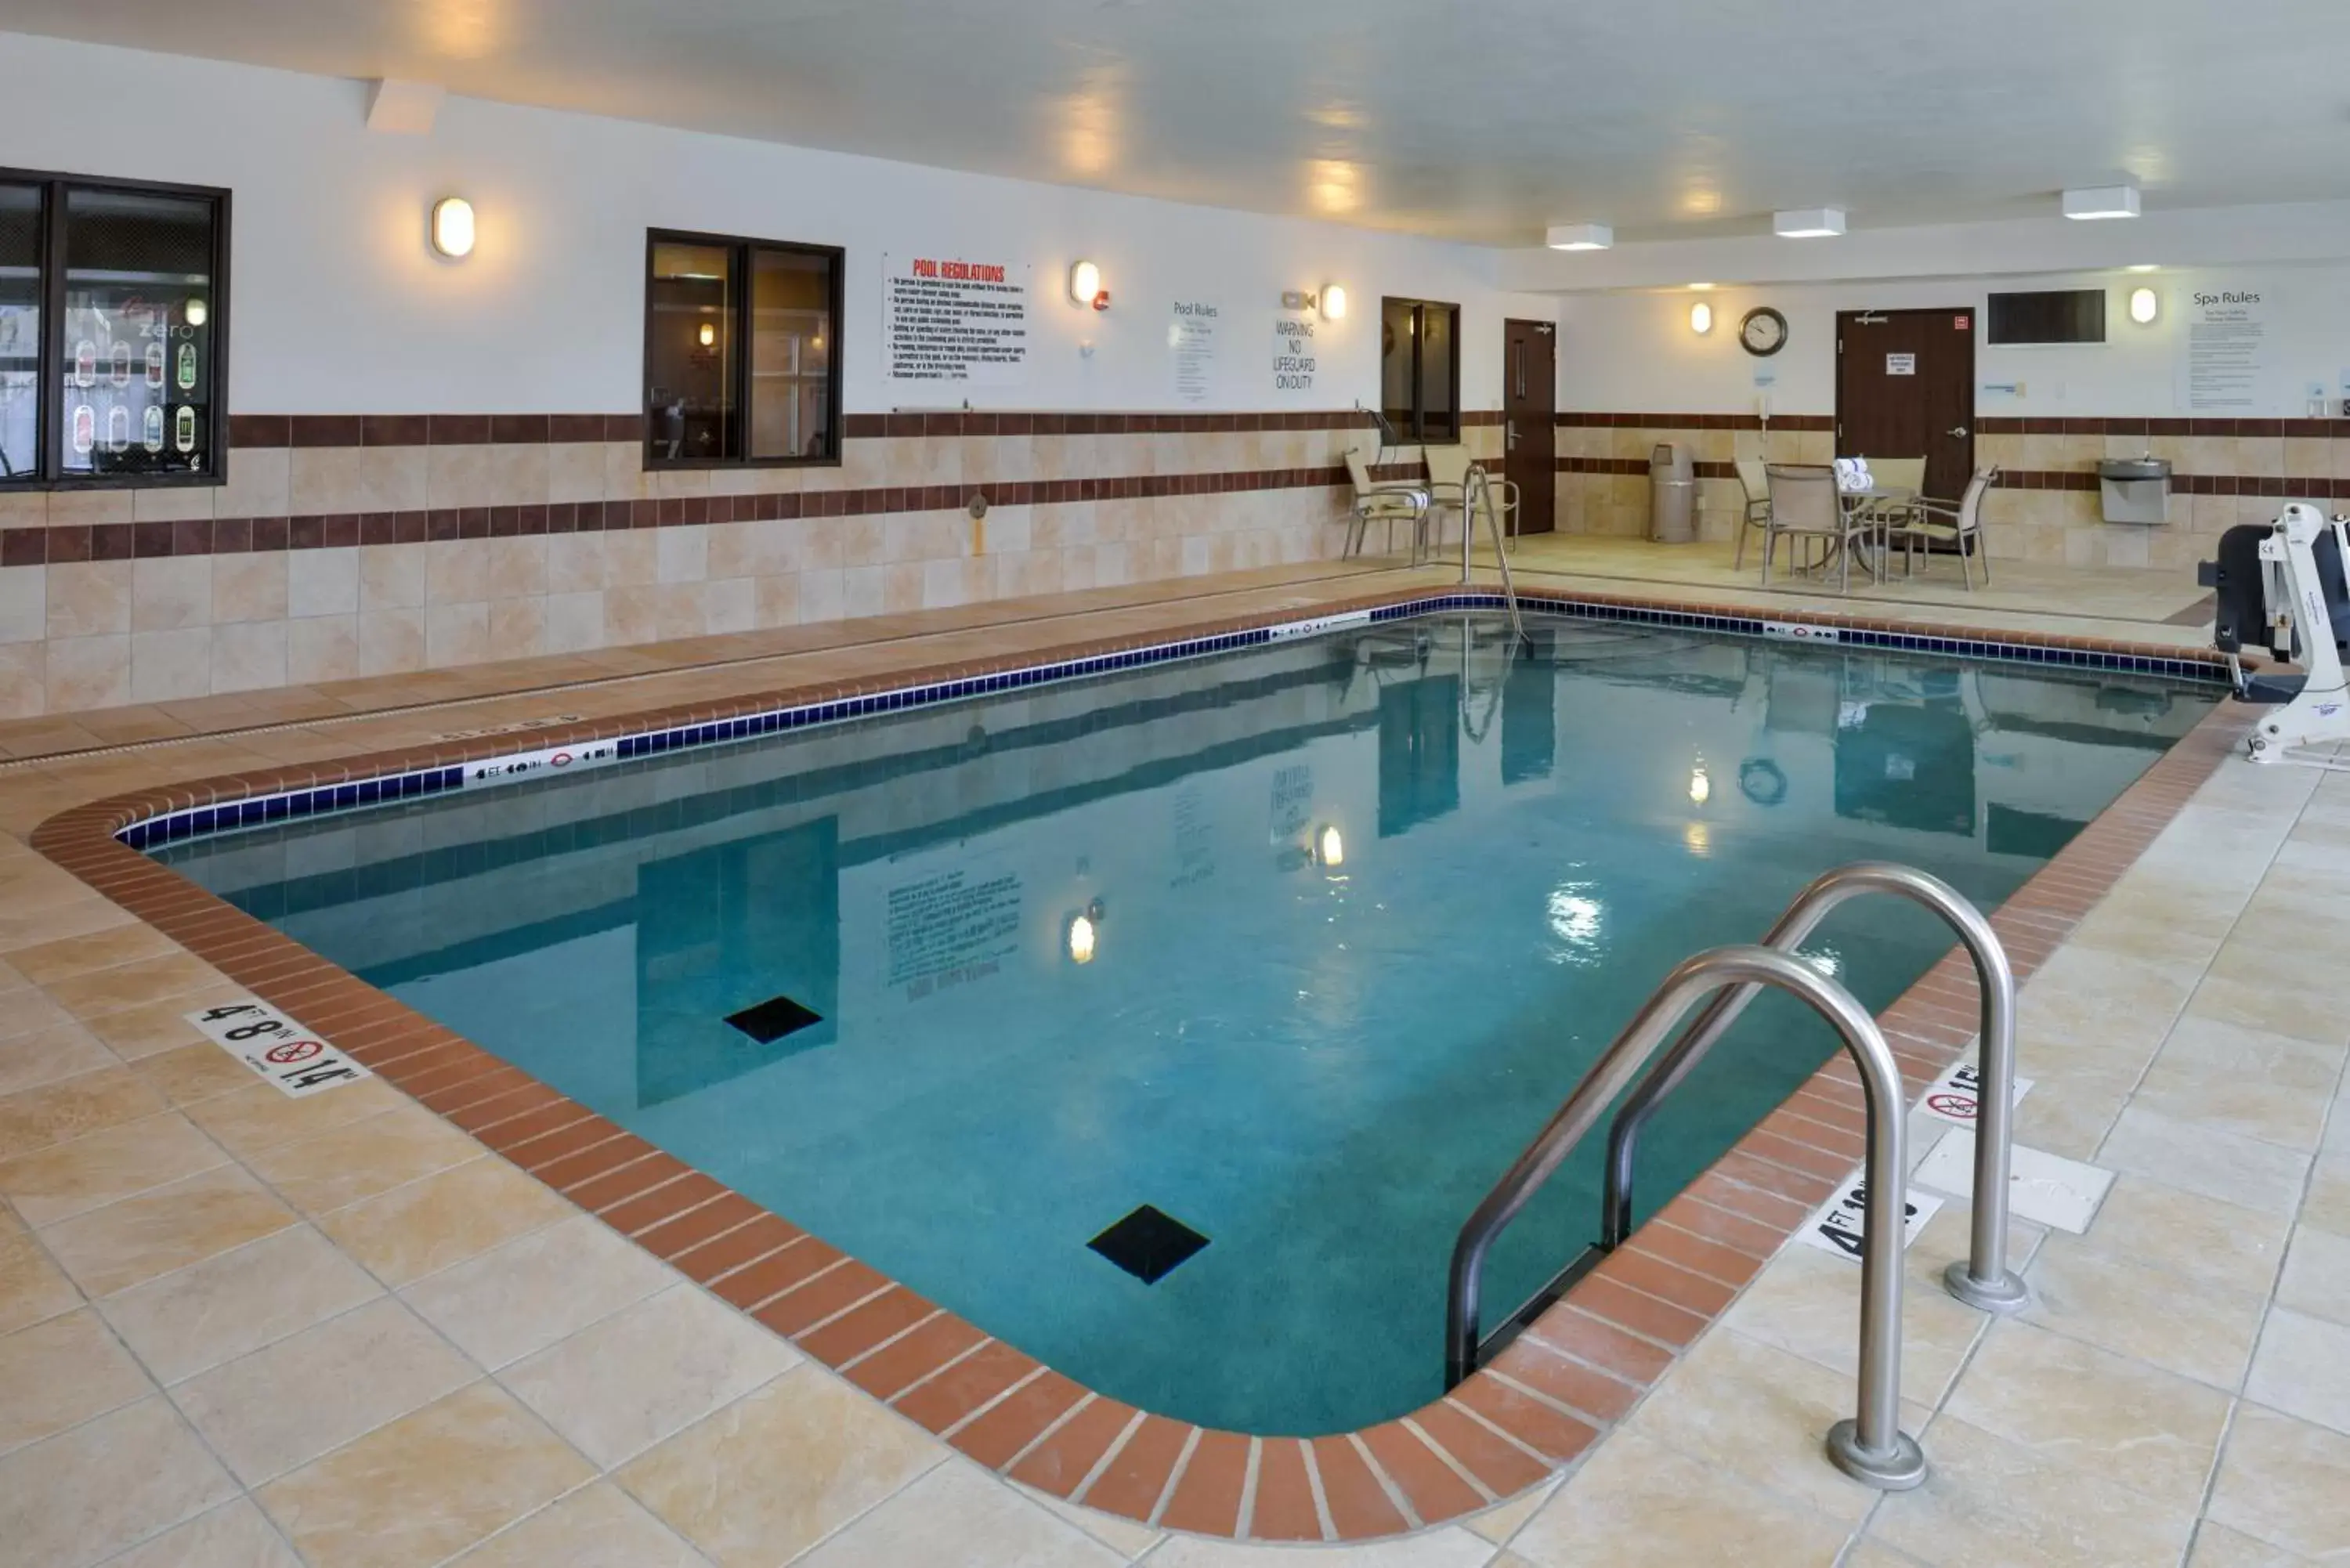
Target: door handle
(1960, 431)
(1509, 435)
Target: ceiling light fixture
(2144, 304)
(1579, 237)
(452, 227)
(1808, 223)
(1700, 288)
(2144, 266)
(2102, 202)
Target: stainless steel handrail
(1871, 1447)
(1477, 496)
(1983, 1279)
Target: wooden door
(1529, 413)
(1905, 387)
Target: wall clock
(1762, 332)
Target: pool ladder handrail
(1871, 1447)
(1477, 496)
(1983, 1279)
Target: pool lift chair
(2275, 586)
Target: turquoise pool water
(1357, 911)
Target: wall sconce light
(1085, 285)
(1330, 846)
(452, 227)
(1334, 302)
(1083, 932)
(1700, 319)
(2144, 304)
(197, 313)
(708, 334)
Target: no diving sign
(277, 1048)
(1957, 1095)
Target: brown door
(1529, 413)
(1906, 388)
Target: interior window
(1419, 368)
(741, 363)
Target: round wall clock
(1762, 332)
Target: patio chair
(1955, 522)
(1448, 485)
(1389, 504)
(1806, 505)
(1751, 480)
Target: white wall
(1634, 352)
(339, 306)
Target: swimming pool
(1295, 946)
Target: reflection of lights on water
(1331, 846)
(1081, 940)
(1698, 838)
(1574, 919)
(1701, 786)
(1825, 961)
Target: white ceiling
(1483, 123)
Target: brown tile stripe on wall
(481, 429)
(2032, 478)
(2319, 429)
(1578, 1370)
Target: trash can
(1672, 495)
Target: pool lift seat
(2274, 587)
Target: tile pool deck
(372, 1328)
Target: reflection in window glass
(138, 349)
(1419, 368)
(791, 350)
(742, 351)
(20, 331)
(689, 354)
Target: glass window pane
(791, 354)
(20, 331)
(1439, 418)
(690, 352)
(140, 390)
(1399, 335)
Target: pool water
(1297, 946)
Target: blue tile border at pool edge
(517, 767)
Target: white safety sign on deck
(1837, 1225)
(2046, 1188)
(1957, 1095)
(277, 1048)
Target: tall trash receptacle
(1672, 494)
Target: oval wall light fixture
(1700, 319)
(1334, 302)
(1085, 281)
(452, 227)
(708, 334)
(2144, 304)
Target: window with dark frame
(742, 351)
(1419, 368)
(113, 332)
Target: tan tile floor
(240, 1331)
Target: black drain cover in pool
(1149, 1244)
(772, 1018)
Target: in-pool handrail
(1982, 1280)
(1871, 1447)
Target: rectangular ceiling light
(1808, 223)
(2102, 202)
(1580, 237)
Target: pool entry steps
(1871, 1447)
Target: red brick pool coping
(1544, 1400)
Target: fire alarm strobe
(1101, 300)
